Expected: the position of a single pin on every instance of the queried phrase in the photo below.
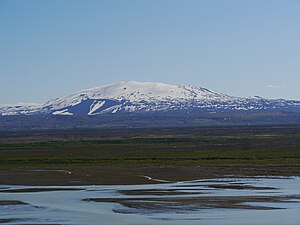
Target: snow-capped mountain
(133, 96)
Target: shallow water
(229, 201)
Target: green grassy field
(160, 152)
(72, 157)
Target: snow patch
(63, 112)
(95, 106)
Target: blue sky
(52, 48)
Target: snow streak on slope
(133, 96)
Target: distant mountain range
(149, 97)
(132, 104)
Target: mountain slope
(134, 97)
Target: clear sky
(52, 48)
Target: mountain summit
(134, 97)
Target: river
(226, 201)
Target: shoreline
(135, 176)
